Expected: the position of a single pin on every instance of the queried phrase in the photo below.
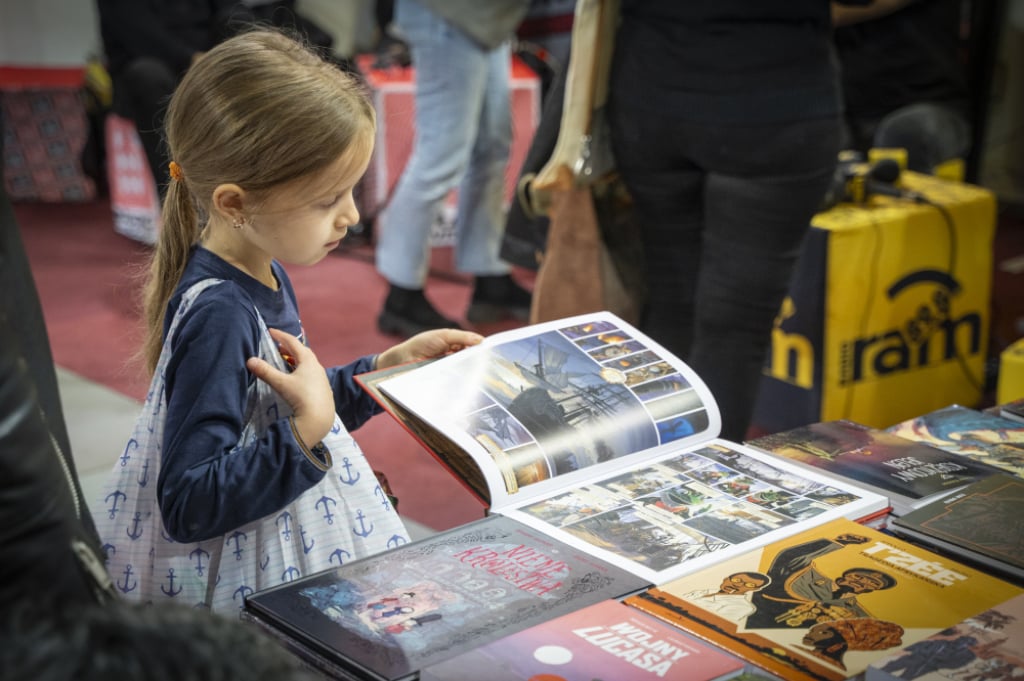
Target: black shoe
(496, 298)
(407, 312)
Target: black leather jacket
(49, 547)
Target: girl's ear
(229, 202)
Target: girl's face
(307, 218)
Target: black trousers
(142, 91)
(722, 212)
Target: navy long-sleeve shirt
(207, 485)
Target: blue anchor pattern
(341, 518)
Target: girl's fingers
(290, 347)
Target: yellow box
(1010, 386)
(888, 313)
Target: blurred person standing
(904, 79)
(460, 52)
(148, 46)
(51, 550)
(725, 122)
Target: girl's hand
(427, 344)
(306, 389)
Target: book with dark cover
(607, 640)
(983, 524)
(1012, 410)
(985, 437)
(910, 473)
(388, 615)
(986, 647)
(826, 603)
(589, 431)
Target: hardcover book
(910, 473)
(607, 640)
(985, 647)
(978, 435)
(983, 524)
(826, 603)
(589, 431)
(386, 616)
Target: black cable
(875, 227)
(950, 225)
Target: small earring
(238, 223)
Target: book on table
(386, 616)
(982, 524)
(910, 473)
(825, 603)
(1013, 410)
(607, 640)
(982, 436)
(588, 430)
(985, 647)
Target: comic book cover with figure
(825, 603)
(978, 435)
(388, 615)
(988, 646)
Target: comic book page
(551, 405)
(686, 509)
(825, 603)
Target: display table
(888, 313)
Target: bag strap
(582, 151)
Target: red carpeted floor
(88, 278)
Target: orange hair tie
(176, 172)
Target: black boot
(407, 312)
(498, 297)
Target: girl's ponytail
(178, 233)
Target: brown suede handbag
(591, 260)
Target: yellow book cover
(824, 603)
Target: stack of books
(909, 472)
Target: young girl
(240, 473)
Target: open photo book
(590, 431)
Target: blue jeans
(463, 135)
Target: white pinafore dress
(347, 515)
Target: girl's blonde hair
(258, 110)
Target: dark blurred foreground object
(47, 538)
(135, 642)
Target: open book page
(447, 452)
(693, 506)
(552, 405)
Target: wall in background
(48, 32)
(66, 32)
